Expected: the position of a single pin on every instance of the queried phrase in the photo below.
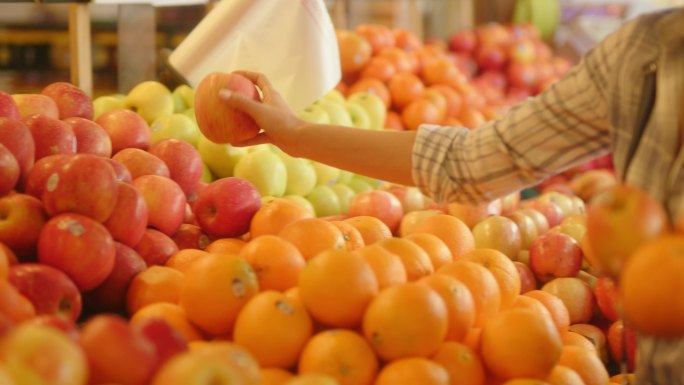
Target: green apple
(325, 174)
(375, 183)
(301, 175)
(359, 116)
(336, 112)
(345, 194)
(106, 103)
(261, 147)
(207, 176)
(335, 95)
(302, 201)
(183, 97)
(324, 201)
(373, 105)
(345, 176)
(219, 158)
(176, 126)
(360, 185)
(151, 100)
(314, 114)
(265, 170)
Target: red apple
(41, 171)
(86, 184)
(140, 162)
(410, 197)
(607, 297)
(8, 107)
(79, 246)
(110, 295)
(493, 33)
(576, 295)
(91, 138)
(183, 160)
(527, 280)
(14, 307)
(9, 170)
(191, 236)
(226, 206)
(523, 75)
(622, 343)
(522, 50)
(156, 247)
(217, 122)
(491, 58)
(30, 104)
(116, 353)
(166, 340)
(71, 100)
(121, 171)
(21, 221)
(51, 136)
(463, 41)
(165, 202)
(18, 139)
(379, 204)
(126, 129)
(554, 255)
(128, 220)
(553, 213)
(49, 289)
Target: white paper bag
(293, 42)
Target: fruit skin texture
(219, 123)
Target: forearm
(381, 154)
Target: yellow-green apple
(500, 233)
(151, 99)
(218, 122)
(314, 114)
(71, 101)
(192, 367)
(593, 182)
(527, 280)
(141, 162)
(128, 220)
(472, 214)
(21, 219)
(574, 229)
(379, 204)
(9, 170)
(265, 170)
(62, 324)
(410, 197)
(165, 202)
(344, 177)
(191, 236)
(235, 356)
(509, 203)
(206, 176)
(337, 113)
(183, 160)
(538, 218)
(183, 97)
(116, 352)
(576, 295)
(345, 195)
(219, 158)
(334, 95)
(373, 105)
(554, 215)
(86, 184)
(51, 136)
(155, 247)
(8, 107)
(301, 175)
(165, 339)
(324, 201)
(358, 115)
(302, 201)
(563, 201)
(226, 206)
(110, 295)
(374, 183)
(411, 219)
(176, 126)
(619, 221)
(35, 354)
(326, 175)
(30, 104)
(90, 137)
(121, 171)
(49, 289)
(360, 185)
(18, 139)
(79, 246)
(126, 129)
(622, 344)
(554, 255)
(607, 297)
(106, 103)
(528, 229)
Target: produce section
(139, 246)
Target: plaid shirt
(626, 96)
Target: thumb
(236, 100)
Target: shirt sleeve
(564, 126)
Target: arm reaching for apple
(385, 155)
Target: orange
(586, 363)
(531, 303)
(183, 259)
(336, 286)
(525, 381)
(379, 68)
(413, 371)
(312, 379)
(412, 218)
(462, 363)
(372, 85)
(275, 376)
(387, 266)
(596, 336)
(576, 339)
(472, 338)
(436, 249)
(154, 284)
(459, 303)
(442, 71)
(454, 101)
(401, 59)
(276, 262)
(628, 378)
(502, 268)
(457, 236)
(562, 375)
(312, 236)
(406, 39)
(393, 121)
(273, 328)
(482, 285)
(371, 228)
(171, 313)
(406, 320)
(651, 288)
(379, 36)
(352, 237)
(405, 88)
(416, 261)
(354, 50)
(225, 246)
(275, 214)
(555, 306)
(215, 290)
(519, 343)
(342, 354)
(420, 111)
